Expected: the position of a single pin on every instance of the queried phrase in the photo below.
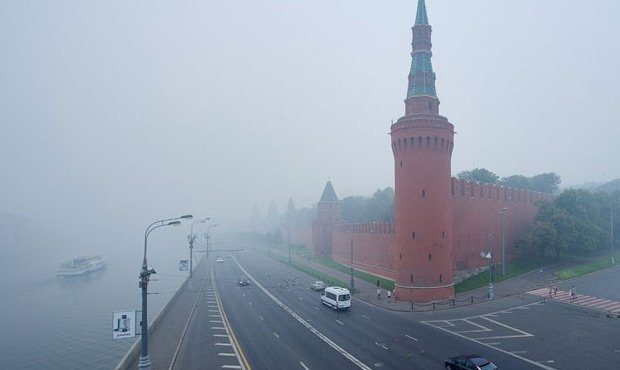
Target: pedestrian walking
(555, 290)
(389, 293)
(550, 291)
(379, 293)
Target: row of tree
(577, 222)
(378, 208)
(544, 182)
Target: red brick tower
(422, 143)
(328, 217)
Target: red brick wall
(373, 247)
(476, 208)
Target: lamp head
(187, 217)
(174, 223)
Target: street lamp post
(207, 238)
(191, 237)
(611, 227)
(352, 279)
(501, 213)
(145, 273)
(489, 256)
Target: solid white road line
(410, 337)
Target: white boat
(81, 265)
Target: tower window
(412, 278)
(400, 255)
(429, 257)
(401, 163)
(440, 278)
(430, 106)
(413, 235)
(443, 235)
(423, 193)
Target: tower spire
(421, 17)
(421, 75)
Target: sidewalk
(519, 285)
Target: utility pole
(611, 229)
(502, 212)
(289, 247)
(352, 279)
(490, 257)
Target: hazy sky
(128, 111)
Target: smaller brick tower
(328, 216)
(422, 143)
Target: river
(66, 323)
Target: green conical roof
(421, 17)
(421, 75)
(329, 195)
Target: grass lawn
(513, 269)
(586, 268)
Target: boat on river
(81, 266)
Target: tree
(545, 183)
(480, 175)
(378, 208)
(536, 240)
(516, 181)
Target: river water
(66, 323)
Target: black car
(243, 280)
(473, 362)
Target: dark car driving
(243, 280)
(473, 362)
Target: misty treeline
(544, 182)
(377, 208)
(576, 222)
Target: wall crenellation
(475, 189)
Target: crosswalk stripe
(582, 300)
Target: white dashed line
(304, 366)
(410, 337)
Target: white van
(336, 297)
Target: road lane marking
(217, 321)
(243, 362)
(340, 322)
(441, 325)
(410, 337)
(220, 335)
(366, 317)
(304, 366)
(223, 344)
(231, 367)
(261, 317)
(218, 328)
(382, 345)
(311, 328)
(276, 335)
(227, 354)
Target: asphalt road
(278, 323)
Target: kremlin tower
(422, 143)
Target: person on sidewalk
(389, 293)
(378, 293)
